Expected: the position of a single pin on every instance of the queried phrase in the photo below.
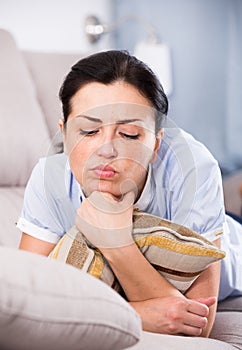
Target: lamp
(152, 52)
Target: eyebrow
(97, 120)
(92, 119)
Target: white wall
(54, 25)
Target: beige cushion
(153, 341)
(177, 252)
(24, 135)
(49, 305)
(11, 199)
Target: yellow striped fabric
(178, 253)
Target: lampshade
(157, 57)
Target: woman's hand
(174, 315)
(105, 221)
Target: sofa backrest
(48, 71)
(29, 107)
(24, 134)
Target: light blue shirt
(183, 185)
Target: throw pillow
(177, 252)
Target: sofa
(46, 304)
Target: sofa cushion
(231, 304)
(48, 71)
(227, 328)
(49, 305)
(24, 135)
(231, 188)
(154, 341)
(177, 252)
(11, 199)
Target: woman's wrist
(114, 255)
(139, 280)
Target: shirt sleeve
(37, 217)
(196, 194)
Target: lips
(104, 171)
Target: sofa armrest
(50, 305)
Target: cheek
(133, 168)
(138, 153)
(133, 177)
(78, 157)
(76, 144)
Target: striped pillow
(177, 252)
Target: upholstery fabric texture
(168, 342)
(11, 199)
(228, 328)
(40, 64)
(19, 110)
(231, 304)
(57, 308)
(177, 252)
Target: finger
(198, 308)
(192, 331)
(196, 321)
(208, 301)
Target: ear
(61, 124)
(158, 140)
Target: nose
(107, 150)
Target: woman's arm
(106, 222)
(35, 245)
(163, 309)
(207, 284)
(140, 281)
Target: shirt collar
(74, 188)
(147, 194)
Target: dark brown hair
(108, 67)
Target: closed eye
(88, 132)
(129, 136)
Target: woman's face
(110, 138)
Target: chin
(117, 190)
(89, 188)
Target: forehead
(95, 94)
(117, 113)
(112, 103)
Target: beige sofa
(46, 304)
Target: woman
(122, 154)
